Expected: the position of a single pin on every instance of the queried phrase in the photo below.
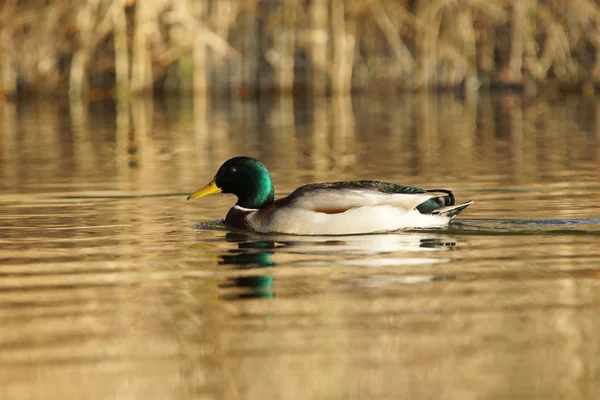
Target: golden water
(108, 292)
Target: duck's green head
(245, 177)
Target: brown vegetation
(132, 46)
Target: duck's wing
(337, 197)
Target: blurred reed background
(112, 47)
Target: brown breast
(238, 218)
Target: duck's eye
(232, 170)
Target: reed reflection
(140, 143)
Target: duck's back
(349, 194)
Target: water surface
(113, 286)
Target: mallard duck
(335, 208)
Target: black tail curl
(444, 201)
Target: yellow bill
(211, 188)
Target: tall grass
(106, 47)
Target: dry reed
(105, 47)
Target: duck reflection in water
(255, 252)
(249, 254)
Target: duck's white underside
(355, 220)
(368, 211)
